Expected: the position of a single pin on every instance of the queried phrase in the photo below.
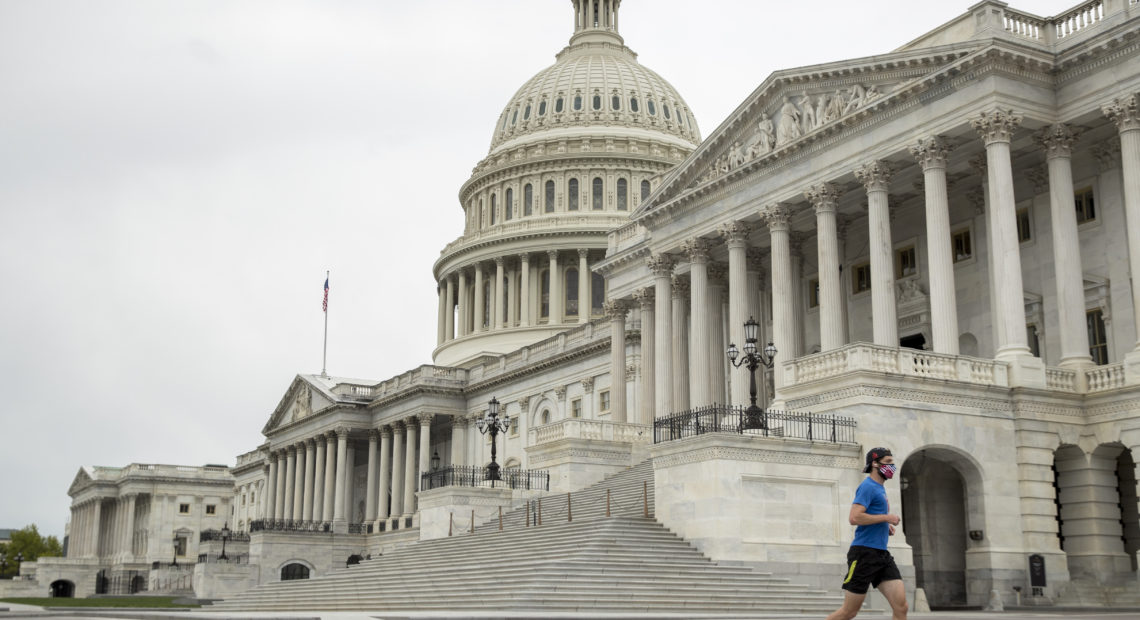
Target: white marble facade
(939, 240)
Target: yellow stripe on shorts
(851, 571)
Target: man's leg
(852, 603)
(895, 593)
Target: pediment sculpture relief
(302, 403)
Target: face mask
(887, 471)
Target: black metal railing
(214, 558)
(287, 525)
(209, 535)
(824, 428)
(475, 476)
(359, 528)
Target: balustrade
(1107, 377)
(580, 428)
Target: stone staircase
(1085, 594)
(624, 563)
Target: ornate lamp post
(754, 416)
(3, 566)
(19, 560)
(435, 461)
(225, 537)
(174, 558)
(492, 423)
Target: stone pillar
(480, 300)
(96, 526)
(524, 290)
(996, 129)
(382, 512)
(825, 198)
(680, 336)
(271, 489)
(584, 295)
(646, 405)
(398, 468)
(718, 282)
(458, 441)
(350, 482)
(556, 292)
(757, 309)
(1090, 512)
(735, 235)
(370, 489)
(327, 511)
(461, 313)
(299, 483)
(497, 320)
(319, 480)
(425, 443)
(615, 310)
(876, 178)
(410, 469)
(512, 297)
(310, 471)
(931, 155)
(1057, 140)
(441, 324)
(339, 516)
(281, 484)
(1125, 112)
(699, 362)
(662, 268)
(449, 315)
(783, 305)
(1035, 450)
(290, 482)
(129, 551)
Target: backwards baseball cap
(875, 454)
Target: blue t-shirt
(872, 495)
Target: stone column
(327, 511)
(96, 526)
(646, 406)
(584, 294)
(1125, 112)
(662, 268)
(718, 282)
(461, 313)
(556, 292)
(281, 484)
(410, 470)
(290, 482)
(382, 512)
(680, 336)
(425, 443)
(996, 129)
(500, 305)
(339, 516)
(735, 236)
(757, 309)
(876, 177)
(512, 297)
(271, 489)
(480, 299)
(370, 489)
(1088, 494)
(843, 223)
(319, 479)
(449, 315)
(931, 155)
(299, 483)
(398, 468)
(783, 305)
(524, 290)
(1057, 140)
(129, 551)
(310, 471)
(825, 198)
(350, 482)
(458, 441)
(615, 311)
(1035, 451)
(441, 327)
(699, 362)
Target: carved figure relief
(735, 155)
(765, 137)
(302, 403)
(789, 127)
(810, 121)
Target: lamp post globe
(754, 415)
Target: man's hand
(893, 520)
(892, 529)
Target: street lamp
(492, 423)
(174, 558)
(753, 360)
(225, 537)
(435, 461)
(3, 566)
(19, 560)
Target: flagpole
(325, 353)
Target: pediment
(81, 481)
(303, 397)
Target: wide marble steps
(588, 563)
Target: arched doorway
(62, 589)
(941, 505)
(293, 571)
(138, 584)
(102, 583)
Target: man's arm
(859, 516)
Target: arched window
(644, 190)
(542, 108)
(509, 204)
(597, 102)
(571, 292)
(488, 294)
(528, 200)
(597, 294)
(622, 195)
(572, 199)
(558, 105)
(577, 102)
(652, 107)
(494, 205)
(615, 102)
(665, 107)
(514, 117)
(549, 207)
(293, 571)
(596, 194)
(546, 416)
(526, 112)
(482, 214)
(633, 104)
(544, 299)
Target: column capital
(735, 233)
(330, 437)
(996, 125)
(373, 434)
(680, 287)
(524, 257)
(385, 431)
(824, 197)
(778, 217)
(398, 427)
(644, 297)
(552, 255)
(524, 404)
(583, 252)
(291, 449)
(1057, 140)
(697, 250)
(425, 418)
(1125, 112)
(718, 274)
(932, 152)
(498, 261)
(272, 457)
(310, 442)
(616, 309)
(875, 176)
(341, 432)
(661, 265)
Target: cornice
(481, 244)
(567, 357)
(610, 264)
(336, 406)
(416, 390)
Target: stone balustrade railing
(895, 361)
(1061, 379)
(627, 235)
(540, 223)
(1051, 30)
(578, 428)
(1104, 378)
(253, 456)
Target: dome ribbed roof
(609, 88)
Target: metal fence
(474, 476)
(209, 535)
(824, 428)
(287, 525)
(214, 558)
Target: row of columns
(86, 523)
(515, 303)
(89, 519)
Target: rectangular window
(243, 500)
(861, 278)
(183, 509)
(576, 408)
(514, 426)
(572, 196)
(597, 188)
(962, 245)
(1032, 340)
(813, 293)
(211, 509)
(604, 401)
(1024, 231)
(1098, 342)
(906, 262)
(1086, 210)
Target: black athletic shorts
(867, 566)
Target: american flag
(325, 303)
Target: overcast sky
(176, 177)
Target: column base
(1024, 369)
(1079, 362)
(340, 526)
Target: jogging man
(868, 562)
